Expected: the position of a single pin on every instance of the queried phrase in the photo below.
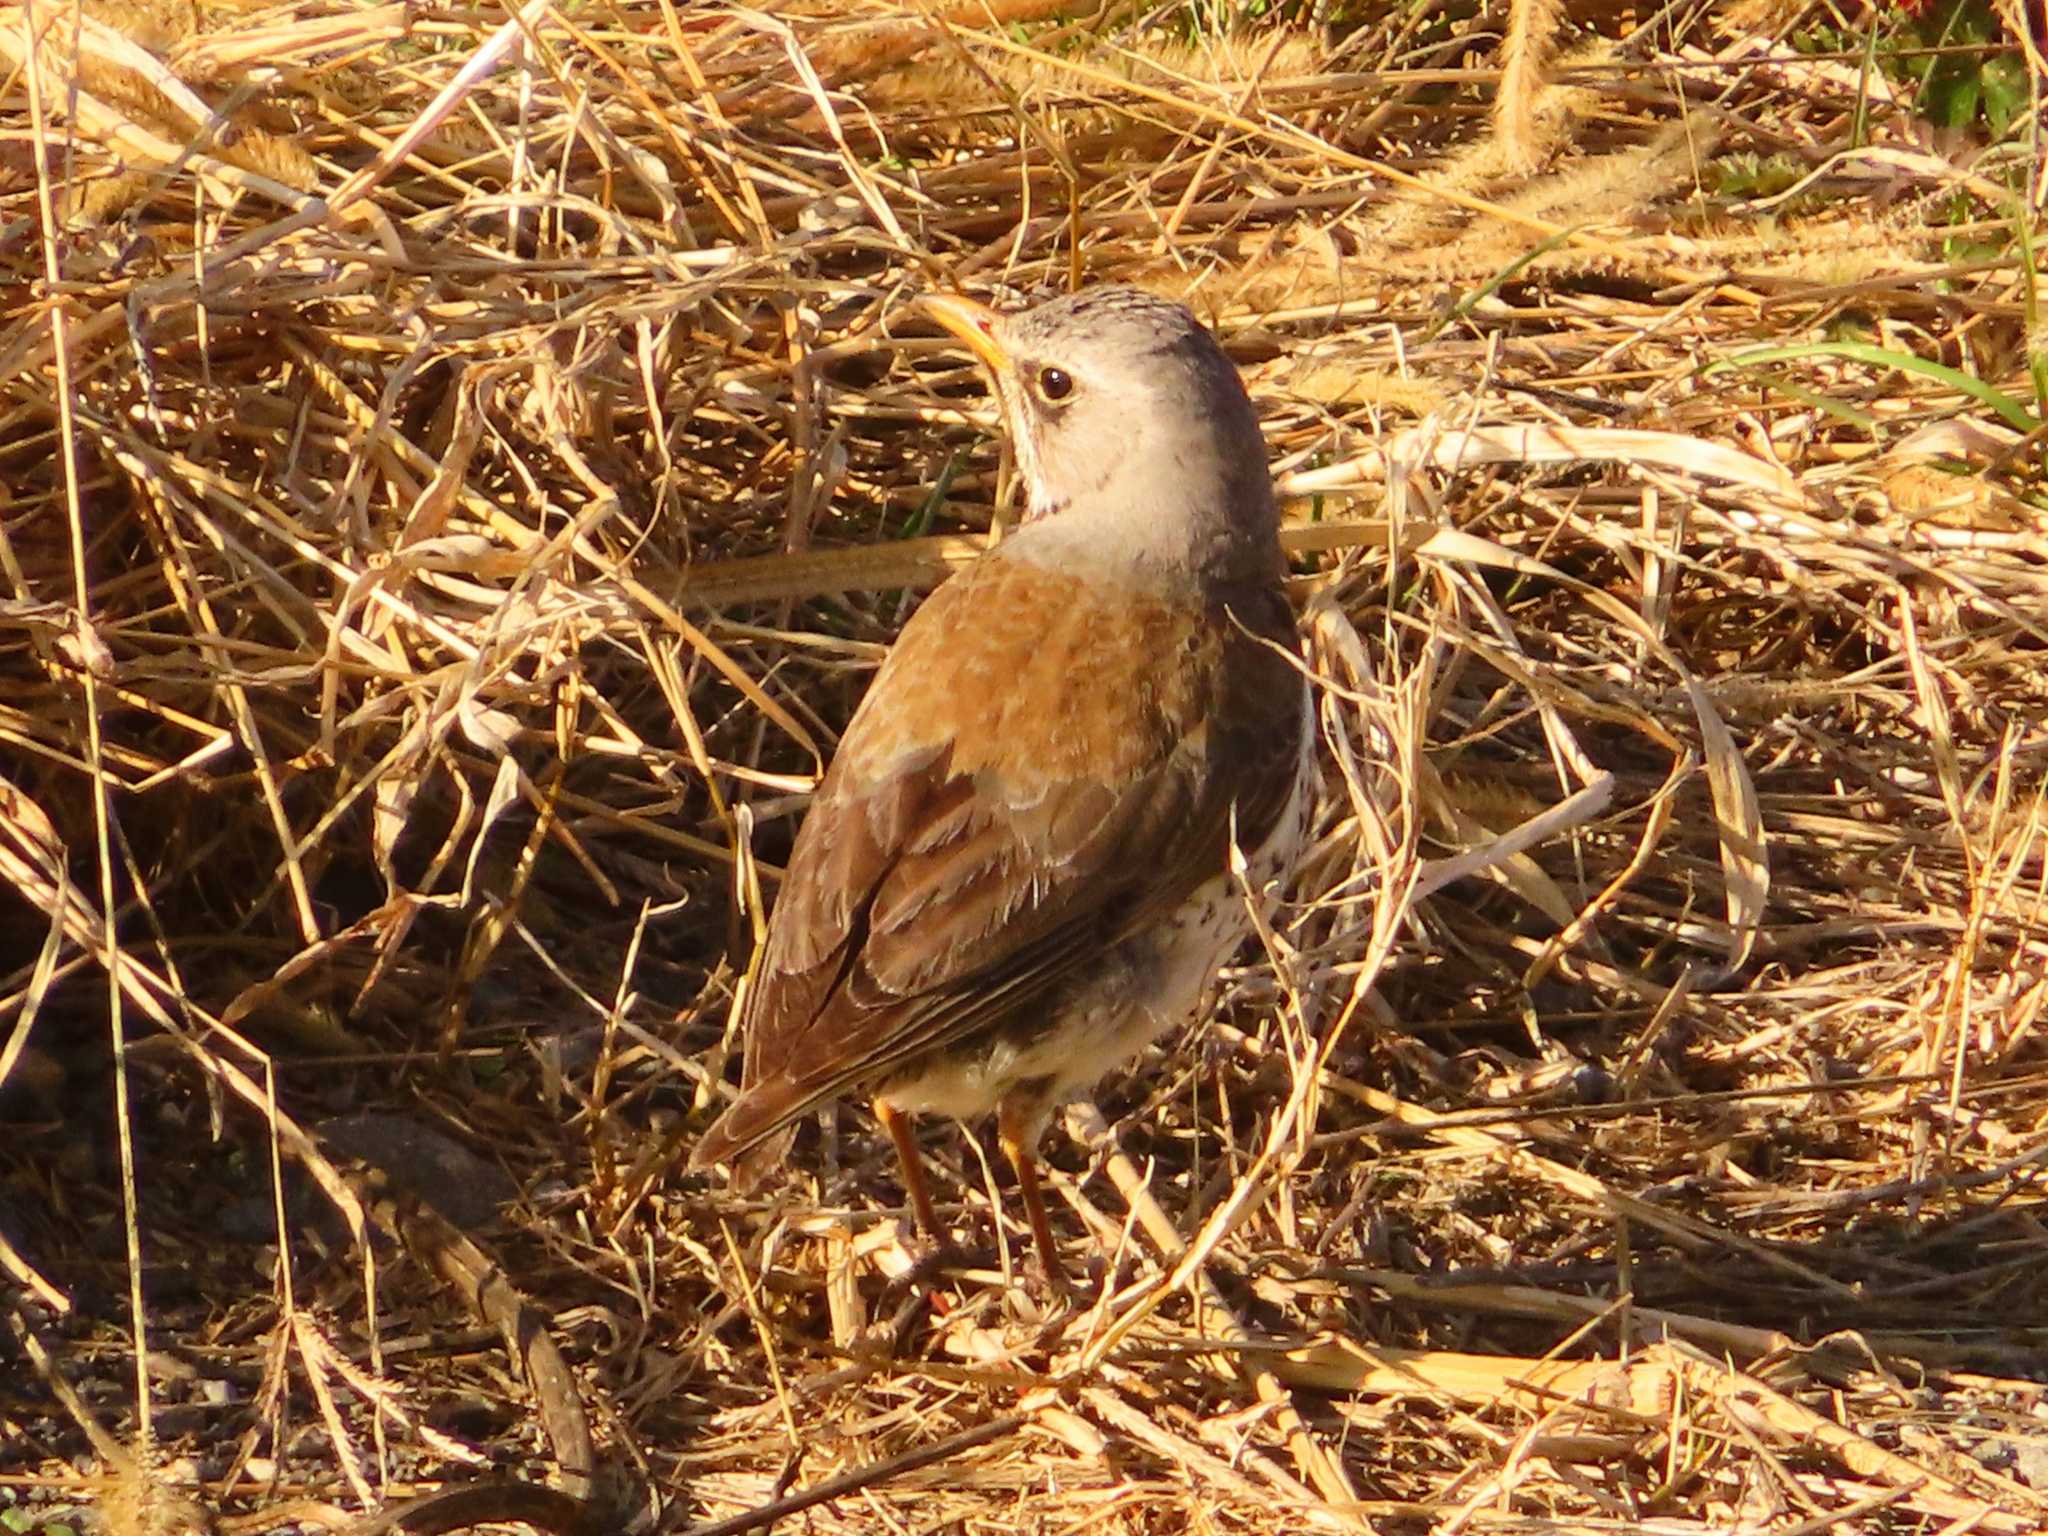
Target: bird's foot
(1058, 1289)
(931, 1260)
(1048, 1290)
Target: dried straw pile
(492, 454)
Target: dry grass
(492, 454)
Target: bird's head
(1125, 412)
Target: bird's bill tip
(975, 324)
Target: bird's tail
(753, 1133)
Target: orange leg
(1013, 1128)
(897, 1124)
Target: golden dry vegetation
(457, 470)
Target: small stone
(430, 1164)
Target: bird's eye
(1055, 383)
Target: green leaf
(1952, 94)
(2009, 409)
(921, 520)
(2004, 85)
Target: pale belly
(1142, 988)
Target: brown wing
(1012, 795)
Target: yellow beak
(973, 323)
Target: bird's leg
(897, 1124)
(1016, 1129)
(938, 1242)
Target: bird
(1016, 871)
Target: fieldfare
(1016, 872)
